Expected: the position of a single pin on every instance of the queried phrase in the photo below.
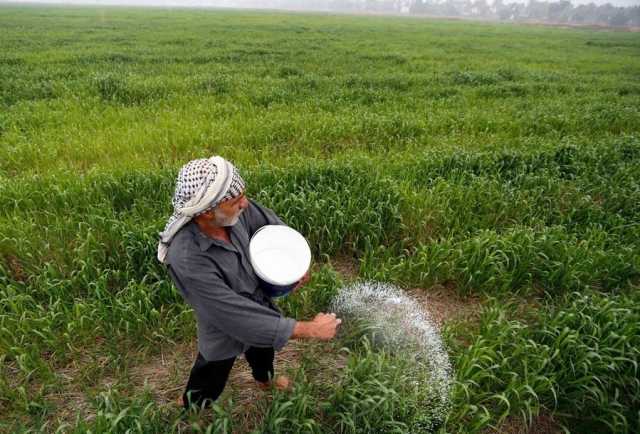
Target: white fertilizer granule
(400, 325)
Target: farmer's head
(211, 191)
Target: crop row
(79, 271)
(287, 84)
(79, 229)
(523, 260)
(576, 360)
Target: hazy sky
(245, 3)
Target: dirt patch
(70, 398)
(348, 267)
(541, 424)
(11, 373)
(69, 405)
(16, 268)
(165, 375)
(445, 304)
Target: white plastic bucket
(279, 255)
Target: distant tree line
(557, 12)
(562, 11)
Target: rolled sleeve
(284, 332)
(220, 307)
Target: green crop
(495, 160)
(580, 359)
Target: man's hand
(326, 325)
(305, 279)
(323, 327)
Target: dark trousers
(208, 378)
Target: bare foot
(282, 382)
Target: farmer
(205, 246)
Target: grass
(497, 160)
(578, 359)
(288, 85)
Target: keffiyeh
(201, 185)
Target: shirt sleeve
(256, 216)
(239, 317)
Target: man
(205, 246)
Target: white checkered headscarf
(201, 185)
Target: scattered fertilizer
(400, 325)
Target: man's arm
(244, 319)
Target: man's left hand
(305, 279)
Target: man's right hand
(322, 327)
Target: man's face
(228, 212)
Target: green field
(493, 168)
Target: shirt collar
(204, 241)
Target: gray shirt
(216, 278)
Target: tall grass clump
(128, 89)
(500, 372)
(379, 391)
(294, 412)
(595, 340)
(342, 208)
(394, 323)
(577, 360)
(520, 260)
